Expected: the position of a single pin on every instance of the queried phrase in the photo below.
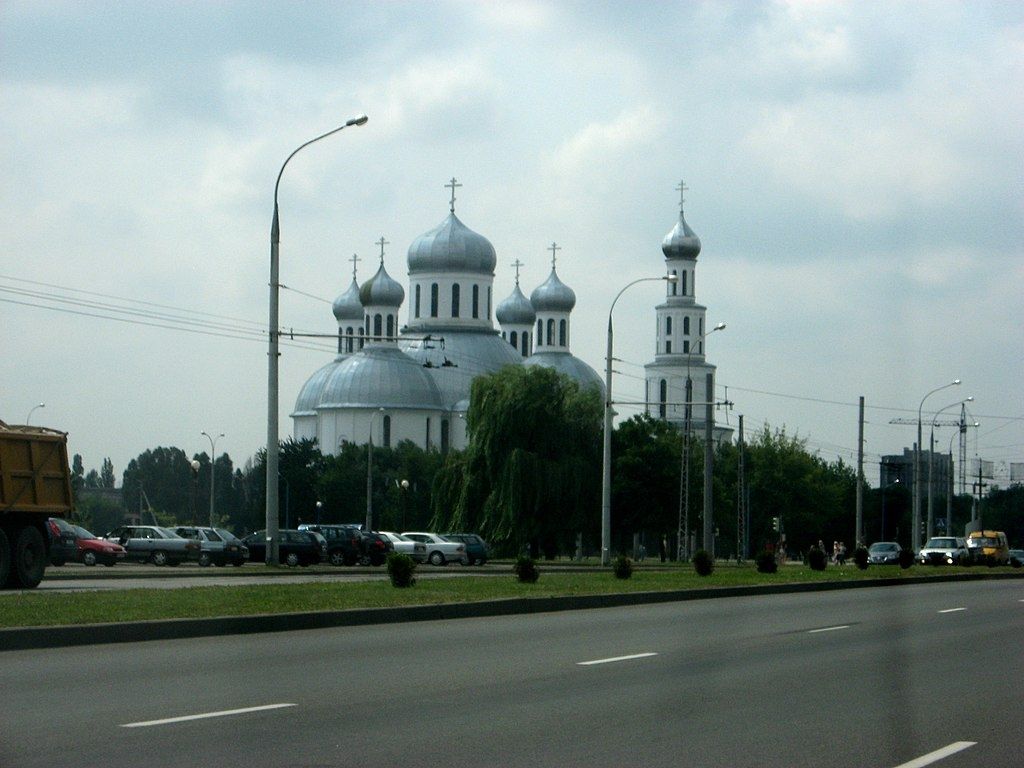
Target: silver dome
(553, 296)
(381, 290)
(516, 309)
(682, 242)
(309, 395)
(452, 247)
(347, 306)
(571, 366)
(380, 377)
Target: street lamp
(33, 410)
(272, 381)
(931, 456)
(606, 462)
(369, 473)
(195, 487)
(915, 534)
(319, 506)
(213, 464)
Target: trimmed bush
(401, 568)
(906, 558)
(623, 567)
(1015, 562)
(702, 563)
(860, 557)
(766, 562)
(526, 571)
(816, 559)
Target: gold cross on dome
(452, 185)
(682, 188)
(382, 242)
(354, 260)
(554, 247)
(517, 264)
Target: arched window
(387, 431)
(513, 339)
(391, 326)
(686, 326)
(488, 303)
(668, 326)
(563, 333)
(693, 285)
(367, 325)
(540, 333)
(349, 342)
(361, 339)
(377, 322)
(525, 341)
(551, 332)
(427, 443)
(686, 347)
(647, 397)
(662, 399)
(455, 300)
(476, 301)
(701, 326)
(417, 311)
(433, 300)
(341, 341)
(444, 435)
(668, 346)
(675, 283)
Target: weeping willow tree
(531, 471)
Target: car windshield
(941, 544)
(167, 533)
(983, 541)
(883, 547)
(226, 535)
(81, 533)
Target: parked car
(477, 550)
(294, 547)
(884, 553)
(62, 541)
(91, 549)
(1017, 557)
(154, 544)
(216, 545)
(988, 547)
(440, 551)
(376, 547)
(344, 542)
(417, 550)
(943, 550)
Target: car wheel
(220, 563)
(159, 558)
(350, 559)
(204, 559)
(291, 560)
(376, 561)
(436, 558)
(364, 560)
(58, 562)
(89, 558)
(109, 563)
(471, 561)
(336, 558)
(238, 563)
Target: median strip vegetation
(101, 607)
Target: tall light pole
(915, 533)
(369, 473)
(272, 381)
(606, 459)
(33, 410)
(931, 462)
(213, 465)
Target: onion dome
(380, 377)
(347, 306)
(452, 247)
(682, 242)
(553, 296)
(516, 309)
(381, 291)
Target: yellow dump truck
(35, 484)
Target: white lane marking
(828, 629)
(616, 658)
(224, 713)
(938, 754)
(953, 610)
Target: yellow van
(988, 547)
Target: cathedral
(412, 382)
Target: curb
(33, 638)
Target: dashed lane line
(827, 629)
(953, 610)
(614, 659)
(938, 754)
(205, 715)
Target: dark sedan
(294, 547)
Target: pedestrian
(663, 548)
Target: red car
(92, 550)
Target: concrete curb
(31, 638)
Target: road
(867, 677)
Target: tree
(107, 474)
(165, 476)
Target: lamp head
(720, 327)
(956, 381)
(359, 120)
(671, 278)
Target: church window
(417, 311)
(663, 399)
(427, 443)
(391, 326)
(551, 332)
(686, 347)
(685, 274)
(455, 300)
(514, 339)
(686, 326)
(476, 301)
(367, 325)
(540, 333)
(488, 303)
(675, 283)
(525, 341)
(693, 285)
(701, 326)
(563, 333)
(349, 342)
(376, 327)
(668, 326)
(444, 436)
(361, 340)
(647, 397)
(387, 431)
(668, 346)
(341, 341)
(433, 300)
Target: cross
(382, 242)
(682, 194)
(453, 184)
(517, 264)
(554, 247)
(354, 259)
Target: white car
(417, 550)
(439, 550)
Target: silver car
(217, 546)
(417, 550)
(884, 553)
(153, 544)
(943, 550)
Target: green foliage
(860, 557)
(401, 569)
(816, 559)
(906, 558)
(107, 474)
(623, 567)
(526, 571)
(702, 562)
(766, 562)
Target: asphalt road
(867, 677)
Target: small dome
(381, 291)
(516, 309)
(570, 365)
(310, 393)
(379, 377)
(452, 247)
(553, 296)
(682, 242)
(347, 306)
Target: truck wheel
(29, 561)
(5, 558)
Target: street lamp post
(194, 464)
(931, 462)
(369, 473)
(272, 355)
(606, 458)
(915, 534)
(33, 410)
(213, 464)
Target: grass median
(100, 607)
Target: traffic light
(775, 524)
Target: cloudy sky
(854, 173)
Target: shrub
(623, 567)
(702, 562)
(766, 562)
(860, 557)
(1016, 562)
(526, 571)
(816, 559)
(401, 568)
(906, 558)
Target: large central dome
(452, 247)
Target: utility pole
(709, 457)
(741, 512)
(858, 535)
